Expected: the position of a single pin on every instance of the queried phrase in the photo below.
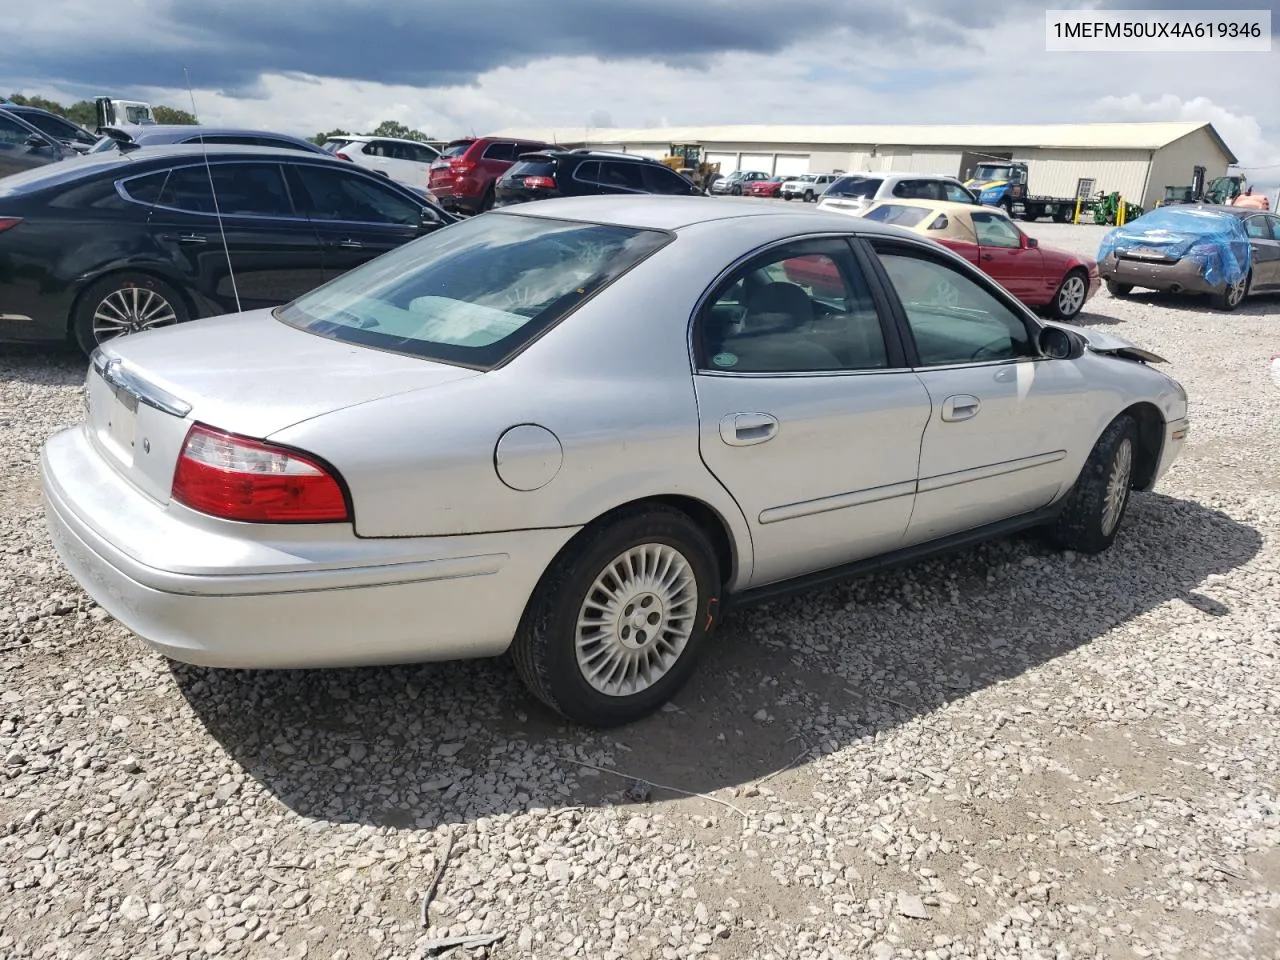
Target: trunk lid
(246, 373)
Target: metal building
(1137, 159)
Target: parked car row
(296, 488)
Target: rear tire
(121, 304)
(1118, 289)
(1230, 298)
(615, 626)
(486, 202)
(1094, 509)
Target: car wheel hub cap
(1072, 297)
(1236, 294)
(131, 310)
(636, 620)
(1117, 487)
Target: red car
(1043, 277)
(463, 178)
(766, 188)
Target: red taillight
(236, 478)
(342, 156)
(540, 183)
(461, 166)
(7, 223)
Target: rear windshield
(333, 144)
(456, 149)
(897, 213)
(474, 292)
(532, 167)
(863, 187)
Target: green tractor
(1109, 210)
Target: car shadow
(425, 744)
(1261, 304)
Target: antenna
(217, 212)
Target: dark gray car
(1158, 270)
(22, 146)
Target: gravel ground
(1007, 753)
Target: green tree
(320, 138)
(83, 112)
(390, 128)
(165, 114)
(44, 104)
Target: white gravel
(1009, 753)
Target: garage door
(758, 161)
(728, 162)
(791, 166)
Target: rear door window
(621, 174)
(500, 151)
(241, 189)
(956, 193)
(658, 179)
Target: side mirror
(36, 142)
(1030, 242)
(1058, 344)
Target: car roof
(1241, 212)
(166, 131)
(367, 137)
(657, 212)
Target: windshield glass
(899, 214)
(474, 292)
(456, 149)
(863, 187)
(104, 145)
(988, 172)
(333, 144)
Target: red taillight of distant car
(8, 223)
(342, 156)
(540, 183)
(461, 166)
(237, 478)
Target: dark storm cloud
(230, 43)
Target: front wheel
(808, 196)
(614, 627)
(123, 304)
(1093, 509)
(1071, 295)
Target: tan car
(1037, 275)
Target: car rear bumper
(1183, 275)
(264, 596)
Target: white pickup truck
(809, 187)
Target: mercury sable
(575, 431)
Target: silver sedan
(578, 430)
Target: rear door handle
(960, 407)
(348, 244)
(745, 429)
(184, 238)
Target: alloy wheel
(1117, 486)
(636, 620)
(131, 310)
(1071, 296)
(1236, 292)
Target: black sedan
(116, 243)
(22, 146)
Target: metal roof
(1098, 136)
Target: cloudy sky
(451, 68)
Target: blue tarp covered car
(1197, 249)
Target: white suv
(405, 161)
(808, 187)
(855, 193)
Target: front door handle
(960, 407)
(184, 238)
(348, 244)
(988, 256)
(745, 429)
